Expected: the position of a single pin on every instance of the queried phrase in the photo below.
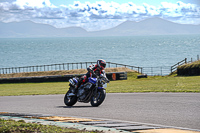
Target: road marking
(165, 131)
(66, 119)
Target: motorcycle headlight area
(105, 85)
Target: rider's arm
(104, 74)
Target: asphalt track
(169, 109)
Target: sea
(141, 51)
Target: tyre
(99, 98)
(70, 101)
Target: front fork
(96, 87)
(96, 92)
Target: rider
(93, 71)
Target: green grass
(33, 88)
(156, 84)
(151, 84)
(11, 126)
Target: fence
(192, 60)
(164, 70)
(161, 71)
(63, 66)
(174, 67)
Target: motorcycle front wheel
(98, 98)
(70, 100)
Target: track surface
(169, 109)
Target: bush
(191, 69)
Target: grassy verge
(33, 88)
(11, 126)
(151, 84)
(192, 65)
(156, 84)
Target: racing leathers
(93, 71)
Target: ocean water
(142, 51)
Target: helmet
(101, 63)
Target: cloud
(179, 9)
(23, 4)
(95, 16)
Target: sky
(98, 15)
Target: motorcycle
(92, 91)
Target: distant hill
(31, 29)
(152, 26)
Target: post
(63, 66)
(197, 57)
(59, 66)
(171, 69)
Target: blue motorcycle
(93, 91)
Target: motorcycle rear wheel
(69, 101)
(99, 98)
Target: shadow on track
(74, 107)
